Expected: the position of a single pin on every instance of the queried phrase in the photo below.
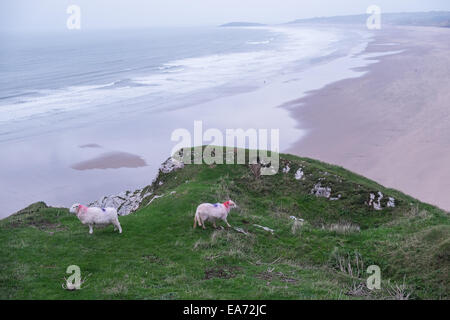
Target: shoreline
(145, 132)
(391, 124)
(277, 104)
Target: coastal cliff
(309, 231)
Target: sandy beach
(391, 125)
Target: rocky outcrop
(322, 192)
(170, 165)
(299, 174)
(375, 201)
(391, 203)
(128, 202)
(125, 202)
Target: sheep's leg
(117, 225)
(197, 220)
(91, 229)
(227, 222)
(202, 223)
(214, 225)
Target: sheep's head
(74, 209)
(231, 204)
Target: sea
(73, 96)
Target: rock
(240, 230)
(299, 174)
(391, 203)
(265, 228)
(286, 169)
(376, 204)
(371, 199)
(170, 165)
(335, 198)
(297, 223)
(375, 201)
(322, 192)
(266, 163)
(128, 202)
(154, 198)
(124, 202)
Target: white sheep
(212, 212)
(96, 216)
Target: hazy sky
(51, 14)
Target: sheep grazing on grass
(212, 212)
(96, 216)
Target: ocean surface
(74, 96)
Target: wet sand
(111, 160)
(391, 125)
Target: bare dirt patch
(270, 276)
(223, 272)
(152, 258)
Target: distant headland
(242, 24)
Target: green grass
(160, 256)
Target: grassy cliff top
(324, 236)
